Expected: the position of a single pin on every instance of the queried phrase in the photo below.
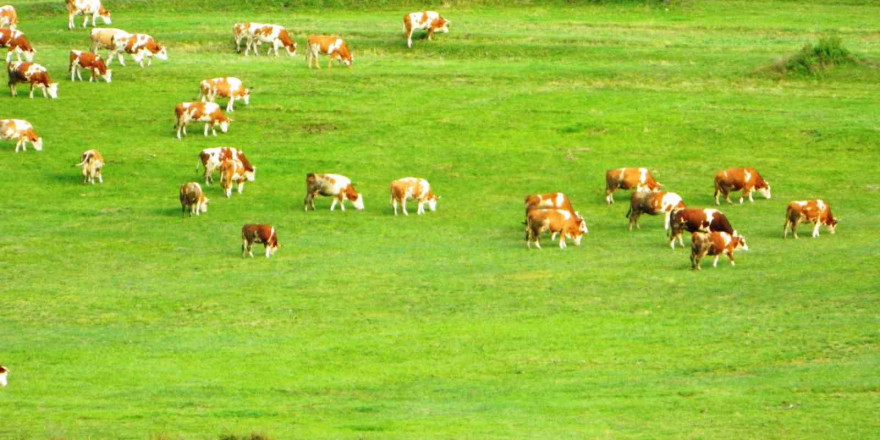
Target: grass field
(123, 320)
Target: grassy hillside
(124, 320)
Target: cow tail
(629, 211)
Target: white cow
(22, 132)
(86, 8)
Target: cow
(652, 203)
(548, 200)
(86, 8)
(239, 33)
(425, 20)
(192, 198)
(207, 112)
(4, 373)
(273, 34)
(102, 38)
(697, 219)
(816, 211)
(8, 17)
(212, 158)
(227, 87)
(628, 178)
(332, 46)
(232, 172)
(86, 60)
(91, 163)
(413, 188)
(140, 46)
(16, 44)
(22, 131)
(746, 179)
(265, 234)
(33, 74)
(331, 185)
(561, 221)
(714, 243)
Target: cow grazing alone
(4, 374)
(227, 87)
(332, 46)
(628, 178)
(86, 60)
(697, 219)
(192, 198)
(207, 112)
(815, 211)
(232, 172)
(413, 188)
(33, 74)
(561, 221)
(652, 203)
(8, 17)
(16, 44)
(714, 243)
(746, 179)
(276, 36)
(331, 185)
(212, 158)
(86, 8)
(91, 163)
(425, 20)
(265, 234)
(139, 46)
(22, 132)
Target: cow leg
(12, 90)
(72, 72)
(609, 198)
(717, 193)
(672, 239)
(100, 176)
(816, 228)
(229, 105)
(333, 205)
(409, 38)
(240, 187)
(70, 24)
(562, 240)
(667, 220)
(421, 208)
(121, 58)
(32, 91)
(244, 247)
(553, 236)
(751, 197)
(342, 203)
(179, 130)
(393, 204)
(794, 227)
(86, 21)
(403, 204)
(430, 34)
(785, 228)
(207, 126)
(715, 261)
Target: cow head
(739, 242)
(441, 25)
(246, 97)
(582, 224)
(37, 143)
(52, 88)
(432, 201)
(223, 122)
(105, 15)
(577, 230)
(203, 203)
(765, 190)
(3, 373)
(160, 52)
(272, 245)
(250, 175)
(356, 199)
(107, 75)
(291, 48)
(831, 223)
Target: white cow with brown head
(87, 8)
(33, 74)
(22, 132)
(226, 87)
(207, 112)
(413, 188)
(331, 185)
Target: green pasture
(122, 319)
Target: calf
(815, 211)
(8, 17)
(227, 87)
(628, 178)
(22, 131)
(652, 203)
(273, 34)
(425, 20)
(86, 60)
(331, 185)
(232, 172)
(86, 8)
(334, 47)
(265, 234)
(4, 373)
(207, 112)
(413, 188)
(714, 243)
(33, 74)
(91, 163)
(212, 158)
(697, 219)
(192, 198)
(560, 221)
(735, 179)
(140, 46)
(17, 44)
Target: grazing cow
(4, 373)
(714, 243)
(86, 8)
(86, 60)
(561, 221)
(232, 172)
(33, 74)
(413, 188)
(22, 131)
(239, 33)
(91, 164)
(652, 203)
(697, 219)
(735, 179)
(140, 46)
(333, 46)
(212, 158)
(8, 17)
(425, 20)
(228, 87)
(103, 38)
(207, 112)
(815, 211)
(17, 44)
(265, 234)
(273, 34)
(192, 198)
(628, 178)
(331, 185)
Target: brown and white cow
(332, 46)
(424, 20)
(547, 201)
(16, 44)
(8, 17)
(232, 172)
(714, 243)
(207, 112)
(103, 38)
(22, 131)
(652, 203)
(331, 185)
(139, 46)
(193, 199)
(86, 8)
(265, 234)
(556, 221)
(697, 219)
(4, 374)
(746, 179)
(239, 33)
(273, 34)
(33, 74)
(91, 163)
(212, 158)
(816, 211)
(86, 60)
(226, 87)
(413, 188)
(628, 178)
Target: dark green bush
(812, 60)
